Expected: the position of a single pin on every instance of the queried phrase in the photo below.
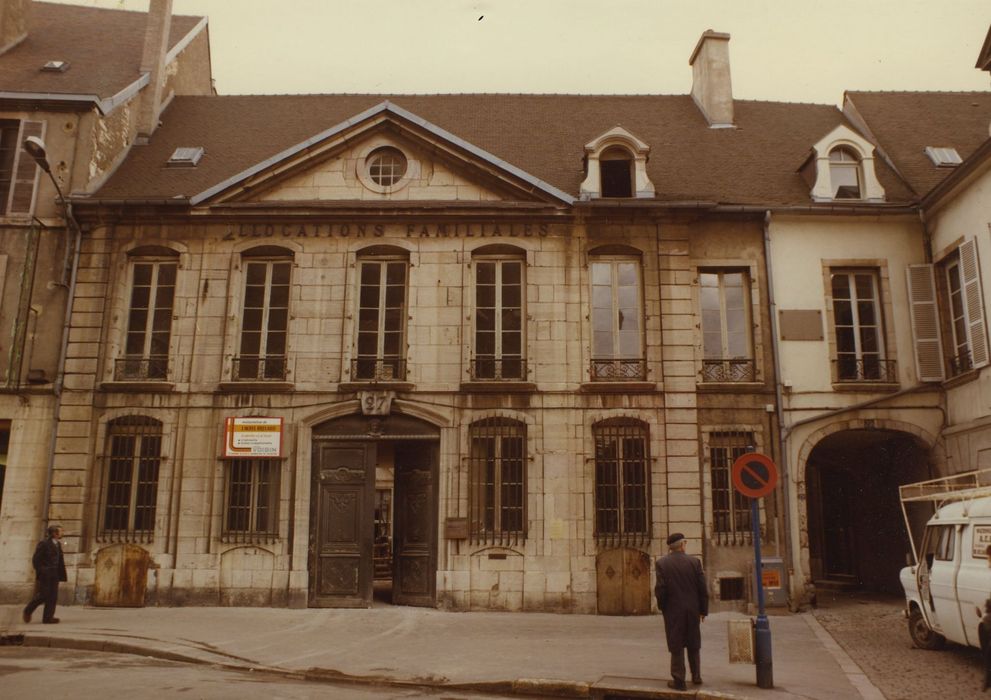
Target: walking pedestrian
(683, 599)
(49, 567)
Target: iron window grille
(727, 347)
(264, 321)
(381, 333)
(149, 322)
(133, 460)
(498, 346)
(731, 524)
(251, 501)
(617, 320)
(622, 483)
(497, 482)
(858, 326)
(961, 363)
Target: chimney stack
(711, 86)
(13, 23)
(153, 63)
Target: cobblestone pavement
(873, 631)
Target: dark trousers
(46, 594)
(678, 664)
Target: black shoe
(697, 680)
(26, 616)
(53, 621)
(677, 685)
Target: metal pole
(762, 629)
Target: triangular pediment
(386, 154)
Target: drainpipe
(779, 414)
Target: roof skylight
(943, 156)
(185, 156)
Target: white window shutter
(24, 181)
(925, 323)
(971, 280)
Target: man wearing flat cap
(683, 599)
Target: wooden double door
(342, 523)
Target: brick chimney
(711, 86)
(153, 63)
(13, 22)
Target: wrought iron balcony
(610, 370)
(252, 368)
(498, 369)
(377, 369)
(961, 363)
(141, 369)
(729, 370)
(865, 370)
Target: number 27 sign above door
(252, 436)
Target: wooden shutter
(971, 281)
(925, 323)
(24, 180)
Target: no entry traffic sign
(754, 475)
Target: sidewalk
(542, 654)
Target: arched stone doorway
(373, 510)
(856, 532)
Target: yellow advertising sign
(771, 578)
(253, 436)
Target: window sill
(375, 386)
(962, 378)
(731, 387)
(139, 387)
(255, 387)
(495, 387)
(620, 387)
(872, 387)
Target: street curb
(523, 687)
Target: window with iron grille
(381, 337)
(497, 481)
(617, 314)
(860, 354)
(264, 321)
(730, 509)
(149, 321)
(134, 456)
(727, 346)
(499, 289)
(622, 485)
(251, 500)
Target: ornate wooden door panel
(415, 554)
(341, 527)
(623, 582)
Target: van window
(944, 549)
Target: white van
(945, 590)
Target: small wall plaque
(376, 403)
(800, 324)
(456, 528)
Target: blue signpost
(755, 475)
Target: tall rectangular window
(498, 320)
(730, 509)
(250, 513)
(622, 492)
(617, 327)
(18, 170)
(4, 446)
(149, 321)
(264, 321)
(497, 481)
(134, 455)
(859, 330)
(957, 317)
(381, 342)
(9, 129)
(727, 346)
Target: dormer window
(616, 168)
(841, 167)
(844, 173)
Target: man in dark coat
(683, 598)
(49, 567)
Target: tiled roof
(544, 135)
(103, 48)
(904, 123)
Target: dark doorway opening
(857, 537)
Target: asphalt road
(52, 674)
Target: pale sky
(789, 50)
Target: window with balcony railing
(380, 345)
(727, 344)
(149, 321)
(617, 319)
(264, 318)
(499, 313)
(858, 327)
